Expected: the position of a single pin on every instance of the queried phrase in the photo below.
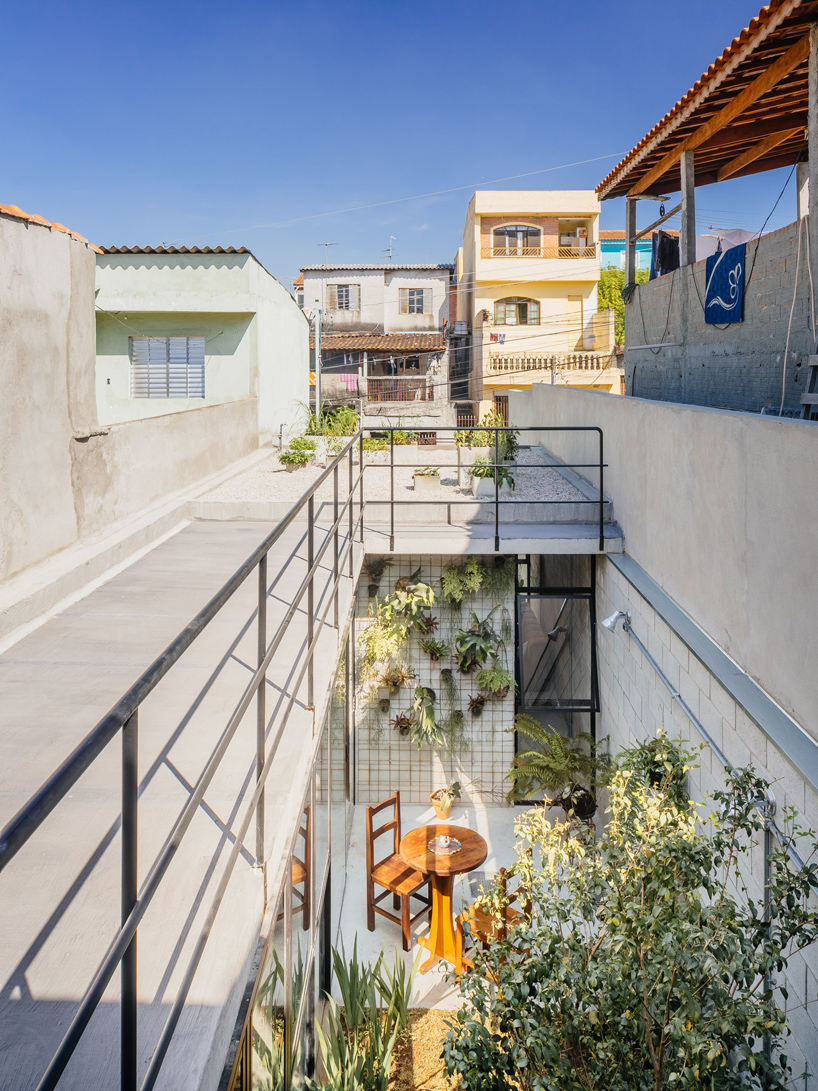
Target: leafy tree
(609, 296)
(640, 962)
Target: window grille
(343, 297)
(167, 367)
(415, 300)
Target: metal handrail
(496, 430)
(124, 714)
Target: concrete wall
(635, 703)
(737, 367)
(59, 487)
(256, 336)
(718, 508)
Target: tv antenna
(326, 246)
(390, 248)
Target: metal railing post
(601, 498)
(496, 491)
(335, 571)
(391, 490)
(310, 602)
(361, 487)
(261, 708)
(128, 890)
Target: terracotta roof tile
(399, 344)
(16, 213)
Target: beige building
(527, 278)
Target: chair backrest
(393, 824)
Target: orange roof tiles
(16, 213)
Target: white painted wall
(257, 338)
(379, 299)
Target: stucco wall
(737, 367)
(718, 508)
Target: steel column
(128, 891)
(496, 491)
(335, 572)
(311, 602)
(391, 490)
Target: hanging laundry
(350, 380)
(665, 254)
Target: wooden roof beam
(777, 71)
(756, 152)
(755, 130)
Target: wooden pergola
(750, 112)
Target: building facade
(527, 292)
(383, 334)
(182, 329)
(612, 250)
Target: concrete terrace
(60, 897)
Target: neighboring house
(181, 328)
(612, 245)
(383, 335)
(527, 291)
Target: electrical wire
(394, 201)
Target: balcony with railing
(400, 388)
(554, 361)
(588, 251)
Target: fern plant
(477, 644)
(435, 649)
(425, 728)
(495, 680)
(562, 768)
(458, 582)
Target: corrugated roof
(175, 250)
(398, 344)
(779, 26)
(16, 213)
(375, 268)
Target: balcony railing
(589, 251)
(569, 361)
(400, 388)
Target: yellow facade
(527, 289)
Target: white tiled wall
(384, 760)
(634, 703)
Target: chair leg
(404, 907)
(396, 901)
(370, 905)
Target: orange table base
(441, 940)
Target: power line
(394, 201)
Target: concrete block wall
(634, 703)
(737, 367)
(384, 760)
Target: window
(343, 297)
(300, 300)
(516, 312)
(167, 367)
(515, 238)
(415, 300)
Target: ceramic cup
(443, 841)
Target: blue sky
(141, 122)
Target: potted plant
(475, 645)
(425, 728)
(406, 446)
(471, 444)
(426, 479)
(443, 799)
(477, 704)
(426, 624)
(294, 459)
(392, 678)
(375, 568)
(375, 450)
(563, 769)
(482, 479)
(496, 681)
(435, 649)
(402, 723)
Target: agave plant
(477, 644)
(562, 769)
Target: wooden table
(441, 871)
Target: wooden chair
(487, 926)
(396, 877)
(302, 872)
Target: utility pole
(317, 323)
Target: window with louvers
(167, 367)
(415, 300)
(343, 297)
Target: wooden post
(630, 245)
(687, 240)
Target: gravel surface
(535, 480)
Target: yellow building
(527, 278)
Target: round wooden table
(441, 871)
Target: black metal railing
(124, 718)
(497, 466)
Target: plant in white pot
(470, 445)
(426, 479)
(482, 479)
(443, 799)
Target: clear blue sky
(142, 122)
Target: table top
(414, 851)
